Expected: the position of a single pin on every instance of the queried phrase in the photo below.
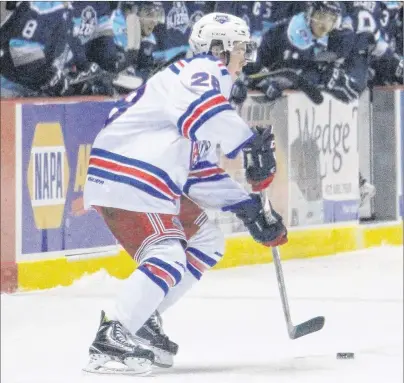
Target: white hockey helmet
(224, 29)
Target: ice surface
(230, 328)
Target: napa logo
(48, 175)
(178, 17)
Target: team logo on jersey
(199, 149)
(303, 33)
(85, 25)
(222, 19)
(178, 18)
(48, 175)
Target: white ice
(230, 328)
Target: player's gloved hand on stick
(259, 158)
(254, 218)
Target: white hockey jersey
(158, 142)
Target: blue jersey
(143, 61)
(93, 33)
(291, 44)
(368, 20)
(367, 17)
(391, 23)
(34, 42)
(260, 16)
(172, 36)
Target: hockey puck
(345, 355)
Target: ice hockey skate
(115, 352)
(151, 335)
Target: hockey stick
(313, 93)
(302, 329)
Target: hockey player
(261, 15)
(296, 46)
(158, 144)
(147, 15)
(367, 20)
(34, 49)
(172, 36)
(150, 14)
(94, 30)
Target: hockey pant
(159, 245)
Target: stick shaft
(278, 265)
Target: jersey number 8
(29, 29)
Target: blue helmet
(323, 17)
(330, 7)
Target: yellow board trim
(240, 250)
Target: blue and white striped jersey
(141, 160)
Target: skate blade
(130, 366)
(162, 359)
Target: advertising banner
(258, 113)
(55, 146)
(8, 267)
(400, 151)
(323, 157)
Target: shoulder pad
(209, 62)
(44, 7)
(299, 33)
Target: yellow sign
(48, 175)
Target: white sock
(204, 250)
(137, 301)
(177, 292)
(161, 269)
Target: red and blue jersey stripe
(204, 171)
(201, 110)
(141, 175)
(163, 274)
(223, 69)
(178, 65)
(198, 262)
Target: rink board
(49, 240)
(240, 250)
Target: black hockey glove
(253, 216)
(239, 90)
(93, 81)
(58, 85)
(259, 158)
(270, 88)
(340, 85)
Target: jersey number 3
(205, 79)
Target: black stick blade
(306, 328)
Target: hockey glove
(239, 90)
(253, 216)
(270, 88)
(259, 158)
(58, 85)
(340, 85)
